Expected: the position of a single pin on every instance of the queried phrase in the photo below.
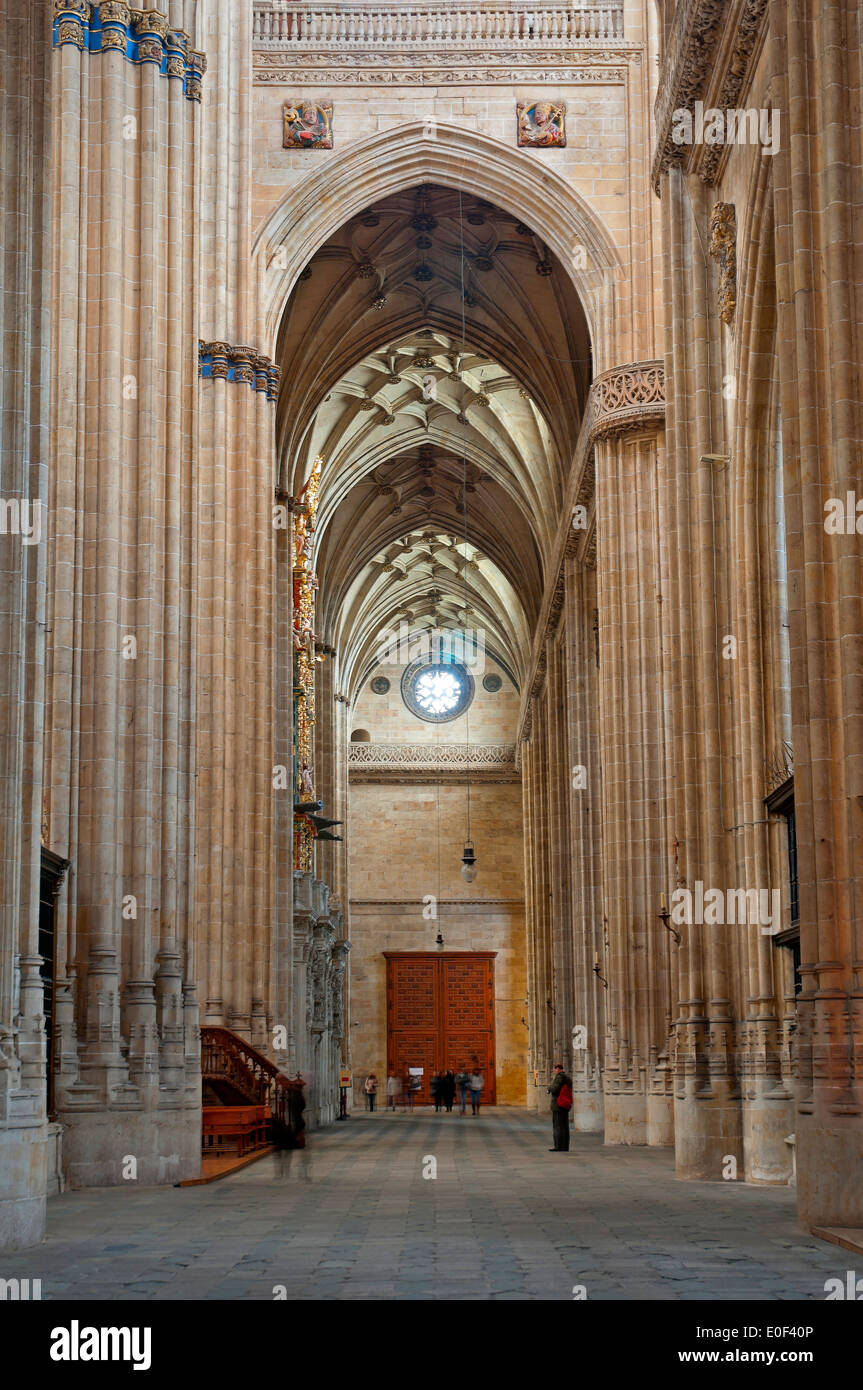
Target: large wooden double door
(440, 1015)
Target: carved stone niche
(303, 892)
(723, 249)
(319, 972)
(340, 960)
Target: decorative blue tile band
(142, 36)
(222, 361)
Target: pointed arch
(475, 164)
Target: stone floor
(353, 1217)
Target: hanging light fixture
(468, 862)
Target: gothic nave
(431, 618)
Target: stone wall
(405, 837)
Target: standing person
(462, 1081)
(448, 1090)
(371, 1090)
(393, 1089)
(435, 1088)
(560, 1091)
(475, 1082)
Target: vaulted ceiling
(436, 357)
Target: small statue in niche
(306, 783)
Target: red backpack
(564, 1097)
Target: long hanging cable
(463, 423)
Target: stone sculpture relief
(541, 124)
(308, 126)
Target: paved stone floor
(353, 1217)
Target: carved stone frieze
(422, 68)
(689, 70)
(419, 762)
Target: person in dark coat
(559, 1115)
(434, 1087)
(448, 1090)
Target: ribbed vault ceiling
(436, 357)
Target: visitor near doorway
(394, 1087)
(475, 1086)
(371, 1090)
(414, 1087)
(462, 1081)
(560, 1091)
(435, 1089)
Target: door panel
(440, 1014)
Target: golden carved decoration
(723, 249)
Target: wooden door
(440, 1014)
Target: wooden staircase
(248, 1106)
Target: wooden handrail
(227, 1056)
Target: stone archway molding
(478, 165)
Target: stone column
(628, 405)
(534, 753)
(119, 744)
(585, 800)
(285, 1004)
(699, 689)
(819, 228)
(559, 851)
(323, 1090)
(25, 203)
(236, 573)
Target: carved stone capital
(241, 364)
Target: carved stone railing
(418, 761)
(303, 27)
(627, 398)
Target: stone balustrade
(277, 24)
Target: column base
(708, 1133)
(24, 1164)
(767, 1122)
(98, 1147)
(588, 1112)
(829, 1169)
(625, 1118)
(660, 1121)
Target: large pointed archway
(436, 358)
(462, 160)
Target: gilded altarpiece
(305, 583)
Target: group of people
(444, 1086)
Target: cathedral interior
(431, 621)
